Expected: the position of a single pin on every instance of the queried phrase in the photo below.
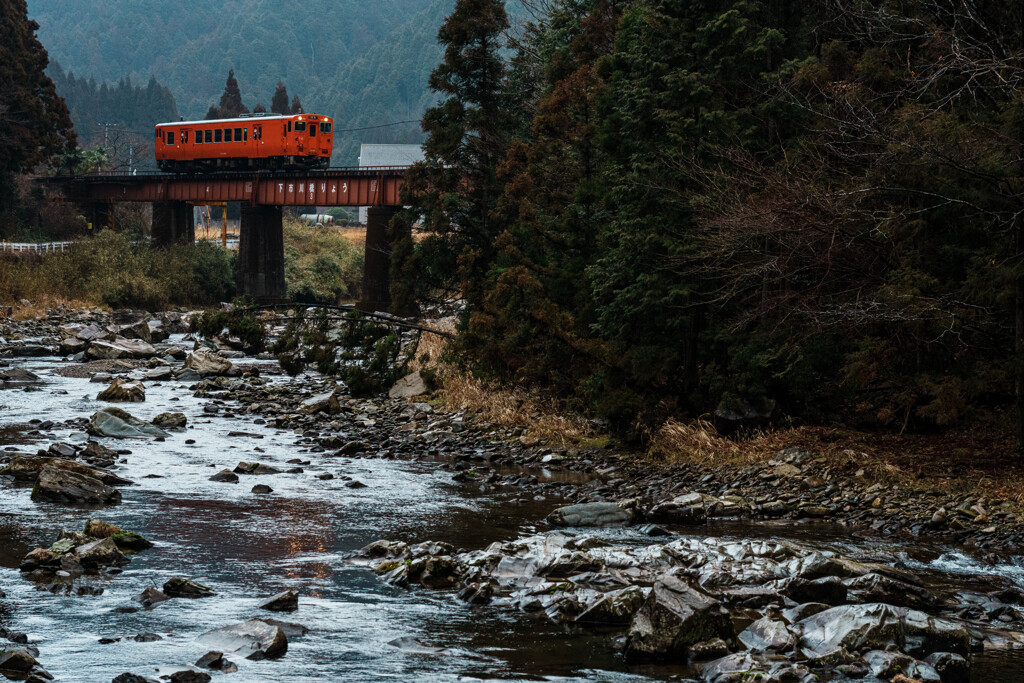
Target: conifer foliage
(34, 123)
(456, 187)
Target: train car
(254, 142)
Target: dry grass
(355, 235)
(541, 418)
(40, 307)
(978, 461)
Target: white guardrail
(35, 247)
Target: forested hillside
(100, 109)
(365, 63)
(810, 210)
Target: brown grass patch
(979, 461)
(542, 418)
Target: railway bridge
(262, 195)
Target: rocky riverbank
(784, 609)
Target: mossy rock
(385, 567)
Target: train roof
(241, 119)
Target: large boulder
(178, 587)
(767, 634)
(685, 509)
(170, 420)
(120, 348)
(253, 639)
(27, 468)
(675, 616)
(121, 425)
(591, 514)
(16, 662)
(879, 626)
(288, 601)
(746, 417)
(64, 486)
(614, 607)
(745, 666)
(101, 553)
(409, 386)
(206, 363)
(326, 402)
(123, 391)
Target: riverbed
(248, 547)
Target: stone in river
(64, 486)
(675, 616)
(170, 420)
(288, 601)
(767, 634)
(120, 348)
(121, 424)
(253, 639)
(128, 677)
(829, 590)
(18, 661)
(262, 488)
(685, 509)
(355, 484)
(206, 363)
(178, 587)
(123, 391)
(211, 660)
(27, 468)
(101, 553)
(225, 475)
(255, 468)
(952, 668)
(150, 596)
(880, 626)
(614, 607)
(189, 676)
(591, 514)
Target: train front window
(170, 138)
(300, 126)
(209, 136)
(325, 128)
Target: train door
(170, 140)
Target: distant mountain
(364, 63)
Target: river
(248, 547)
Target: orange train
(298, 141)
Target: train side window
(199, 137)
(238, 134)
(227, 135)
(325, 128)
(245, 134)
(217, 133)
(208, 135)
(170, 138)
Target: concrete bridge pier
(173, 222)
(377, 260)
(261, 253)
(98, 215)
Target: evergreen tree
(259, 109)
(34, 123)
(231, 100)
(456, 187)
(296, 107)
(279, 102)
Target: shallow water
(248, 547)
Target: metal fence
(35, 247)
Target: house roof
(389, 155)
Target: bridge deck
(342, 186)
